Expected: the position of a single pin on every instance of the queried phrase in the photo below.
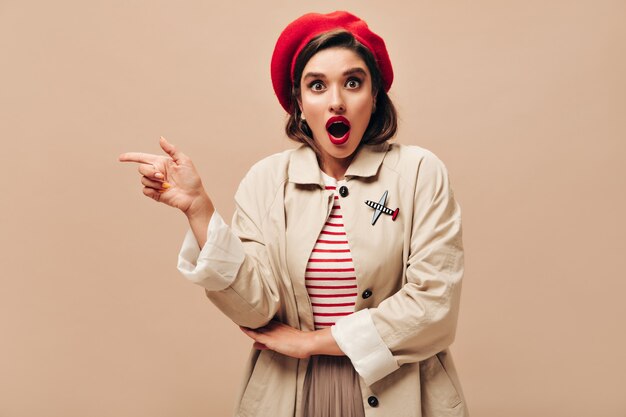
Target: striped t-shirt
(330, 278)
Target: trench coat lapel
(306, 210)
(367, 161)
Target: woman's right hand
(171, 179)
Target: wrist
(313, 343)
(200, 207)
(323, 343)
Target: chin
(341, 155)
(338, 151)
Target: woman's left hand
(281, 338)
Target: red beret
(298, 34)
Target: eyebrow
(351, 71)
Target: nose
(337, 103)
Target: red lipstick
(338, 128)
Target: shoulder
(260, 185)
(269, 171)
(411, 160)
(271, 167)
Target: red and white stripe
(330, 278)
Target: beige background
(525, 101)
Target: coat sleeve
(420, 319)
(234, 266)
(215, 265)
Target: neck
(334, 167)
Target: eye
(353, 83)
(316, 85)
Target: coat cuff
(358, 338)
(216, 265)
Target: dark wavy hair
(383, 122)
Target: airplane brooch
(381, 208)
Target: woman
(344, 259)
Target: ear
(374, 97)
(300, 104)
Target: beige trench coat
(412, 266)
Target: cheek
(316, 115)
(310, 101)
(316, 108)
(363, 102)
(364, 113)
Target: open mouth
(338, 128)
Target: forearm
(323, 343)
(199, 215)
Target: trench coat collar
(304, 168)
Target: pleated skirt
(331, 388)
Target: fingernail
(166, 185)
(158, 175)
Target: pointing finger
(144, 158)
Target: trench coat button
(343, 191)
(372, 401)
(367, 294)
